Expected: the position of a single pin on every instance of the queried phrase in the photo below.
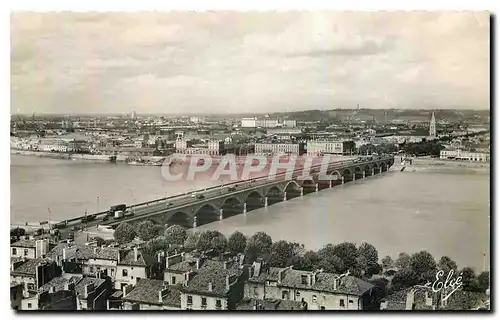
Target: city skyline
(173, 63)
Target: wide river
(442, 210)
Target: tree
(367, 259)
(176, 234)
(468, 276)
(124, 233)
(403, 260)
(404, 278)
(212, 240)
(258, 246)
(329, 261)
(387, 262)
(17, 232)
(99, 241)
(156, 245)
(484, 280)
(423, 266)
(307, 262)
(237, 242)
(191, 241)
(446, 264)
(147, 230)
(348, 253)
(284, 253)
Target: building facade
(458, 154)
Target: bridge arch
(207, 213)
(368, 170)
(293, 189)
(348, 174)
(383, 166)
(292, 183)
(181, 219)
(254, 200)
(231, 206)
(358, 172)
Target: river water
(442, 210)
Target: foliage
(156, 245)
(387, 262)
(124, 233)
(403, 260)
(147, 230)
(17, 232)
(258, 246)
(237, 242)
(100, 241)
(176, 234)
(423, 148)
(329, 261)
(484, 280)
(369, 149)
(367, 259)
(469, 279)
(284, 254)
(404, 278)
(212, 240)
(348, 254)
(446, 264)
(423, 266)
(191, 241)
(307, 262)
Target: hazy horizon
(235, 63)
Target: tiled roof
(29, 267)
(80, 287)
(183, 266)
(143, 259)
(324, 281)
(269, 304)
(16, 259)
(146, 291)
(85, 252)
(212, 272)
(24, 243)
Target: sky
(229, 62)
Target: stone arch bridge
(222, 203)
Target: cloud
(234, 62)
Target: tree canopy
(176, 234)
(258, 246)
(237, 242)
(124, 233)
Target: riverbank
(77, 156)
(442, 165)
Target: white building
(249, 122)
(279, 148)
(457, 154)
(329, 147)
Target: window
(297, 294)
(322, 308)
(314, 298)
(203, 301)
(173, 280)
(14, 251)
(218, 304)
(342, 304)
(125, 273)
(285, 295)
(137, 279)
(304, 279)
(190, 300)
(29, 305)
(350, 301)
(132, 277)
(25, 252)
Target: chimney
(225, 265)
(52, 289)
(335, 283)
(88, 290)
(210, 286)
(69, 286)
(159, 257)
(95, 250)
(313, 278)
(163, 292)
(198, 263)
(136, 254)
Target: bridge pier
(265, 201)
(301, 191)
(373, 171)
(245, 207)
(329, 183)
(343, 180)
(364, 174)
(317, 187)
(354, 177)
(194, 222)
(284, 196)
(221, 214)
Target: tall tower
(432, 127)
